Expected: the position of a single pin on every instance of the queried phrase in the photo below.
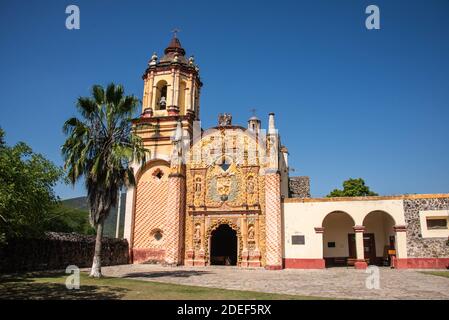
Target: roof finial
(253, 111)
(175, 32)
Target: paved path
(334, 282)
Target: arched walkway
(338, 225)
(379, 237)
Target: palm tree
(100, 147)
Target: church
(223, 195)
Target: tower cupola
(171, 84)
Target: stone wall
(299, 187)
(59, 250)
(417, 246)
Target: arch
(338, 226)
(223, 247)
(337, 212)
(379, 226)
(161, 95)
(379, 212)
(213, 226)
(148, 165)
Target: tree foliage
(353, 188)
(99, 148)
(26, 191)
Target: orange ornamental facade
(223, 196)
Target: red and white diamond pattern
(151, 200)
(273, 220)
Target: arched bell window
(161, 95)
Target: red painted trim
(273, 267)
(319, 229)
(400, 228)
(421, 263)
(141, 255)
(360, 264)
(304, 263)
(359, 228)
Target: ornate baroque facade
(224, 196)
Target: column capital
(359, 228)
(400, 228)
(319, 229)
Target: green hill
(80, 203)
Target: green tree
(100, 148)
(26, 191)
(353, 188)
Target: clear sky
(349, 102)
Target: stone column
(320, 263)
(244, 228)
(175, 215)
(190, 252)
(400, 261)
(359, 247)
(200, 258)
(129, 219)
(273, 220)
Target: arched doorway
(223, 246)
(338, 227)
(379, 229)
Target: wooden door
(369, 247)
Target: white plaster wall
(302, 217)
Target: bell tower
(172, 84)
(155, 206)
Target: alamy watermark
(373, 280)
(73, 20)
(72, 282)
(373, 20)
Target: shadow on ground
(22, 288)
(159, 274)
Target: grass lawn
(437, 273)
(51, 285)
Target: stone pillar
(273, 221)
(129, 219)
(244, 228)
(175, 215)
(360, 263)
(400, 245)
(190, 252)
(320, 263)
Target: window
(158, 174)
(298, 240)
(331, 244)
(436, 223)
(156, 234)
(163, 100)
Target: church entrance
(223, 246)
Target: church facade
(223, 196)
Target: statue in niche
(250, 185)
(224, 119)
(197, 234)
(198, 184)
(251, 232)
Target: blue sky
(349, 102)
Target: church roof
(174, 50)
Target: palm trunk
(96, 265)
